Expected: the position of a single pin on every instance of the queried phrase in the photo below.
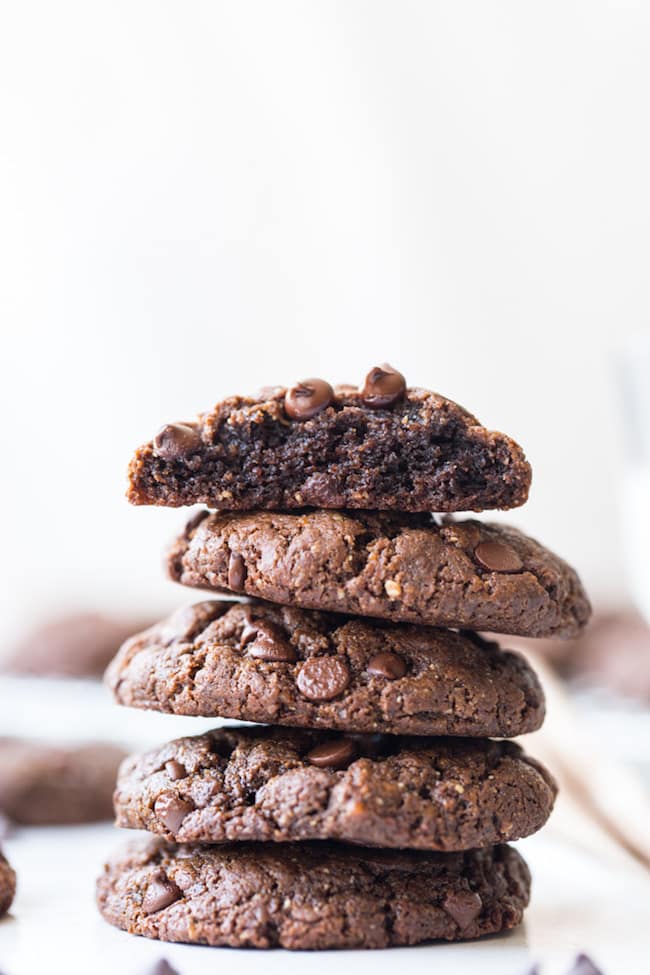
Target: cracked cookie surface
(468, 574)
(311, 895)
(281, 785)
(280, 665)
(421, 452)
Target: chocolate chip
(186, 623)
(162, 967)
(583, 965)
(497, 557)
(160, 893)
(268, 641)
(177, 441)
(383, 387)
(388, 665)
(248, 633)
(464, 906)
(172, 810)
(236, 572)
(337, 753)
(323, 678)
(175, 770)
(273, 651)
(307, 398)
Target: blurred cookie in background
(612, 652)
(46, 785)
(77, 645)
(7, 885)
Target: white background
(199, 198)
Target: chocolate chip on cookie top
(177, 441)
(307, 398)
(383, 387)
(323, 678)
(335, 753)
(497, 557)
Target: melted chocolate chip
(267, 641)
(172, 810)
(188, 622)
(175, 770)
(272, 651)
(497, 557)
(307, 398)
(160, 893)
(383, 387)
(177, 441)
(464, 906)
(388, 665)
(248, 633)
(323, 678)
(337, 753)
(236, 572)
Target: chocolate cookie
(7, 885)
(400, 567)
(44, 785)
(379, 447)
(311, 895)
(276, 784)
(275, 664)
(80, 645)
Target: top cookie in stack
(381, 447)
(360, 618)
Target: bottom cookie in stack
(311, 895)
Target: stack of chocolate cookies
(373, 806)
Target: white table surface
(580, 901)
